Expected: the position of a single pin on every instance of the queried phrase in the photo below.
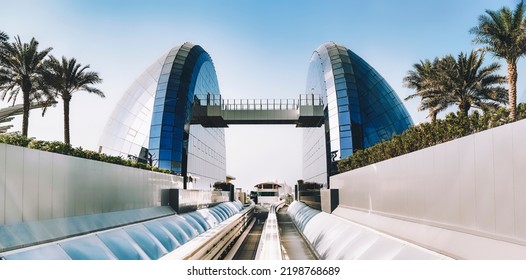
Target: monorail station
(448, 201)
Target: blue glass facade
(187, 72)
(361, 109)
(155, 114)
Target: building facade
(152, 121)
(361, 110)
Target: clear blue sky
(260, 49)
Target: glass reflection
(360, 103)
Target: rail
(260, 104)
(269, 247)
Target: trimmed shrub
(66, 149)
(14, 139)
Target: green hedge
(429, 134)
(65, 149)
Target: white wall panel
(358, 195)
(476, 184)
(114, 199)
(466, 168)
(485, 181)
(59, 186)
(78, 182)
(69, 187)
(391, 193)
(2, 182)
(107, 187)
(30, 187)
(40, 185)
(14, 184)
(446, 184)
(417, 180)
(519, 178)
(134, 193)
(45, 186)
(91, 202)
(143, 182)
(363, 189)
(503, 169)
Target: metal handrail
(261, 104)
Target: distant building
(268, 193)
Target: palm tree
(66, 77)
(21, 69)
(3, 39)
(463, 81)
(503, 34)
(424, 80)
(3, 36)
(469, 84)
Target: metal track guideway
(276, 239)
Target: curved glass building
(361, 110)
(152, 119)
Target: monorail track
(293, 245)
(249, 247)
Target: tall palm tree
(468, 83)
(21, 69)
(463, 82)
(503, 34)
(66, 77)
(424, 80)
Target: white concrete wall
(475, 184)
(37, 185)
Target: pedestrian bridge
(306, 111)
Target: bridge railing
(260, 104)
(310, 100)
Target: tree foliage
(21, 70)
(65, 77)
(502, 32)
(463, 81)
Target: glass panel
(175, 230)
(122, 246)
(87, 248)
(217, 213)
(190, 231)
(163, 235)
(48, 252)
(200, 219)
(191, 220)
(148, 243)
